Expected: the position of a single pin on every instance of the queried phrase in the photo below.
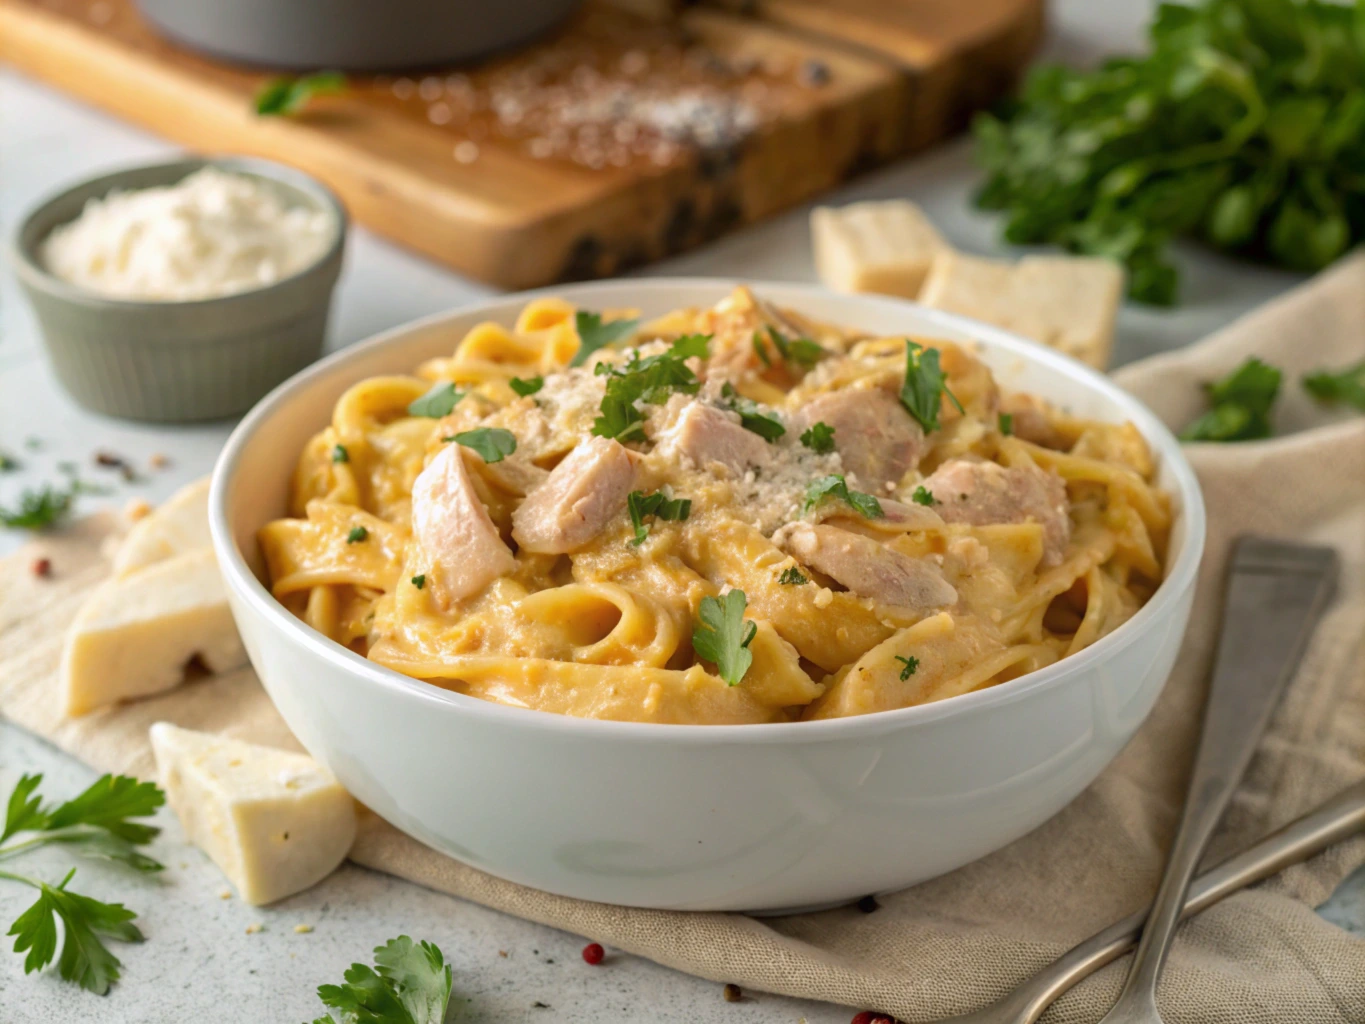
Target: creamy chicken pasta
(728, 515)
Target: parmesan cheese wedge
(274, 822)
(134, 635)
(885, 247)
(178, 525)
(1069, 303)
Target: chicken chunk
(985, 492)
(873, 434)
(453, 530)
(578, 498)
(707, 436)
(868, 568)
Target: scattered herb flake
(923, 496)
(419, 581)
(437, 402)
(834, 486)
(1006, 423)
(723, 635)
(658, 505)
(649, 380)
(802, 351)
(288, 94)
(751, 415)
(526, 387)
(793, 577)
(911, 664)
(761, 350)
(819, 438)
(340, 454)
(357, 534)
(493, 444)
(593, 334)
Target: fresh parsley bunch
(409, 983)
(96, 823)
(1244, 126)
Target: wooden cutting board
(626, 136)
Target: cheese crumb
(225, 894)
(252, 929)
(302, 929)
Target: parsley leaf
(761, 350)
(357, 534)
(802, 351)
(593, 334)
(649, 380)
(84, 958)
(492, 443)
(911, 664)
(657, 504)
(923, 496)
(410, 983)
(526, 387)
(793, 577)
(420, 580)
(437, 402)
(924, 383)
(8, 463)
(288, 94)
(1346, 386)
(723, 635)
(751, 415)
(42, 508)
(1241, 404)
(819, 438)
(835, 486)
(1005, 422)
(108, 803)
(340, 454)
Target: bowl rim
(1180, 575)
(28, 265)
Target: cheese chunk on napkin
(165, 605)
(274, 822)
(885, 247)
(1069, 303)
(180, 524)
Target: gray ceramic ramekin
(178, 361)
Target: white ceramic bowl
(740, 817)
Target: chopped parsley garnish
(751, 415)
(357, 534)
(1006, 423)
(97, 824)
(658, 505)
(38, 509)
(492, 443)
(1240, 405)
(923, 496)
(593, 334)
(288, 94)
(410, 983)
(340, 454)
(910, 664)
(8, 463)
(793, 577)
(437, 402)
(526, 387)
(801, 351)
(819, 438)
(835, 486)
(925, 383)
(1347, 386)
(420, 580)
(723, 635)
(649, 380)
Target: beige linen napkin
(961, 941)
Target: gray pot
(178, 361)
(353, 35)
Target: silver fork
(1276, 591)
(1339, 818)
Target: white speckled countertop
(199, 964)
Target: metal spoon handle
(1339, 818)
(1276, 592)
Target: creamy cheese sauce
(214, 233)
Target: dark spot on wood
(682, 223)
(584, 260)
